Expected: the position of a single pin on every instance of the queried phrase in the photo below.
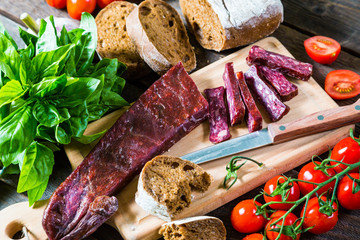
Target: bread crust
(157, 60)
(237, 22)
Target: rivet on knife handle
(316, 122)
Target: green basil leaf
(45, 133)
(63, 133)
(36, 166)
(87, 139)
(9, 58)
(7, 35)
(10, 92)
(48, 39)
(48, 87)
(27, 72)
(79, 119)
(4, 112)
(11, 169)
(17, 131)
(27, 37)
(29, 51)
(51, 63)
(96, 111)
(46, 114)
(36, 193)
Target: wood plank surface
(302, 20)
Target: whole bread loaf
(166, 183)
(220, 25)
(114, 42)
(194, 228)
(160, 36)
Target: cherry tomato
(347, 150)
(76, 7)
(254, 236)
(313, 217)
(244, 218)
(342, 84)
(104, 3)
(322, 49)
(346, 198)
(308, 173)
(293, 193)
(57, 3)
(289, 220)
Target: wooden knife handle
(316, 122)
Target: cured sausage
(218, 119)
(265, 94)
(235, 104)
(281, 63)
(284, 88)
(165, 113)
(253, 116)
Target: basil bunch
(49, 91)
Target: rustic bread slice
(160, 36)
(202, 227)
(220, 25)
(166, 183)
(114, 42)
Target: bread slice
(165, 185)
(113, 40)
(160, 36)
(220, 25)
(202, 227)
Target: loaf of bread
(160, 36)
(166, 183)
(114, 42)
(220, 25)
(202, 227)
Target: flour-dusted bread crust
(160, 36)
(220, 25)
(201, 227)
(166, 183)
(114, 41)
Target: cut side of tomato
(342, 84)
(322, 49)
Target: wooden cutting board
(133, 223)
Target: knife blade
(276, 133)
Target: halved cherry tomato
(342, 84)
(292, 194)
(320, 222)
(57, 3)
(289, 220)
(322, 49)
(76, 7)
(347, 150)
(346, 198)
(104, 3)
(308, 173)
(254, 236)
(244, 218)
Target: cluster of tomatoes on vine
(76, 7)
(318, 189)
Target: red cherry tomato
(346, 150)
(342, 84)
(313, 217)
(254, 236)
(289, 220)
(57, 3)
(308, 173)
(76, 7)
(293, 193)
(244, 218)
(104, 3)
(346, 198)
(322, 49)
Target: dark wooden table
(339, 19)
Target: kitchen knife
(277, 133)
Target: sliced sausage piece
(235, 104)
(284, 87)
(283, 64)
(265, 94)
(165, 113)
(218, 118)
(253, 116)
